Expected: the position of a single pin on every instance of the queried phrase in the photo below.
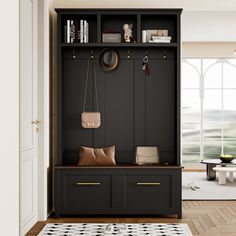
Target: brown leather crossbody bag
(90, 119)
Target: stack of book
(160, 39)
(76, 31)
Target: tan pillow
(97, 156)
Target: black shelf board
(119, 44)
(121, 166)
(122, 11)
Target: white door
(28, 115)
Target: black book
(65, 33)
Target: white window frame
(202, 74)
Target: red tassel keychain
(147, 70)
(145, 66)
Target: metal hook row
(128, 54)
(74, 56)
(146, 54)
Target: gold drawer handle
(149, 184)
(87, 184)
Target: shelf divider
(99, 26)
(139, 30)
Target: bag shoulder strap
(86, 85)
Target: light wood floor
(208, 218)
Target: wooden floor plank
(204, 218)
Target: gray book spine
(85, 31)
(81, 31)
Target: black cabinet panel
(145, 192)
(155, 107)
(116, 104)
(140, 105)
(73, 96)
(160, 105)
(119, 110)
(136, 110)
(85, 192)
(118, 191)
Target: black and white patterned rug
(116, 229)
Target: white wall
(189, 5)
(209, 26)
(208, 50)
(9, 118)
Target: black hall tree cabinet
(136, 110)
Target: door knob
(36, 122)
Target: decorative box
(111, 37)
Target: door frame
(44, 112)
(25, 153)
(42, 73)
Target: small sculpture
(127, 32)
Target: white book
(161, 37)
(81, 31)
(68, 31)
(159, 41)
(85, 31)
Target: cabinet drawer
(148, 192)
(87, 192)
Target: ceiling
(187, 5)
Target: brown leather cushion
(97, 156)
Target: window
(208, 108)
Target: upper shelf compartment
(114, 24)
(112, 21)
(76, 21)
(162, 23)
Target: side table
(211, 163)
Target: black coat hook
(164, 56)
(73, 54)
(128, 56)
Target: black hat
(109, 60)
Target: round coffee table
(211, 163)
